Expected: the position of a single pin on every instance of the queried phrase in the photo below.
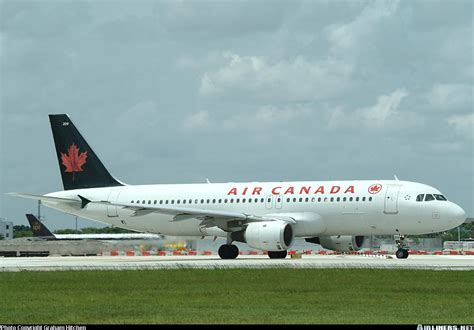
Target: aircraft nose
(457, 215)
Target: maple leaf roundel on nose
(73, 160)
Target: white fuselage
(320, 208)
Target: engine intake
(339, 243)
(266, 235)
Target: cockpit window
(440, 197)
(419, 198)
(429, 197)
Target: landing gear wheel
(228, 251)
(277, 254)
(401, 254)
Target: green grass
(238, 296)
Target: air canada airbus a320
(264, 215)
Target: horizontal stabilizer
(46, 198)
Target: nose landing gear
(402, 252)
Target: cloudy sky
(181, 91)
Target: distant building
(6, 229)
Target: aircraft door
(391, 199)
(112, 210)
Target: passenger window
(196, 201)
(338, 199)
(332, 199)
(306, 199)
(319, 199)
(161, 201)
(166, 202)
(243, 200)
(325, 199)
(178, 201)
(155, 201)
(250, 200)
(429, 197)
(313, 199)
(213, 201)
(132, 202)
(190, 201)
(225, 201)
(231, 200)
(172, 201)
(370, 199)
(269, 200)
(220, 200)
(363, 199)
(300, 200)
(344, 199)
(202, 201)
(419, 198)
(294, 200)
(357, 199)
(288, 200)
(184, 201)
(237, 200)
(208, 201)
(143, 202)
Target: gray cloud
(177, 91)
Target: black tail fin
(79, 165)
(39, 229)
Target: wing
(225, 220)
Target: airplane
(41, 231)
(265, 215)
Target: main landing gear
(228, 251)
(277, 254)
(402, 252)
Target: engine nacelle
(339, 243)
(266, 235)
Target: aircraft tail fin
(79, 165)
(39, 229)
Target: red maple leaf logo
(375, 188)
(74, 160)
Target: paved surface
(443, 262)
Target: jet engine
(339, 243)
(266, 235)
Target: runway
(442, 262)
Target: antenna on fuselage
(395, 176)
